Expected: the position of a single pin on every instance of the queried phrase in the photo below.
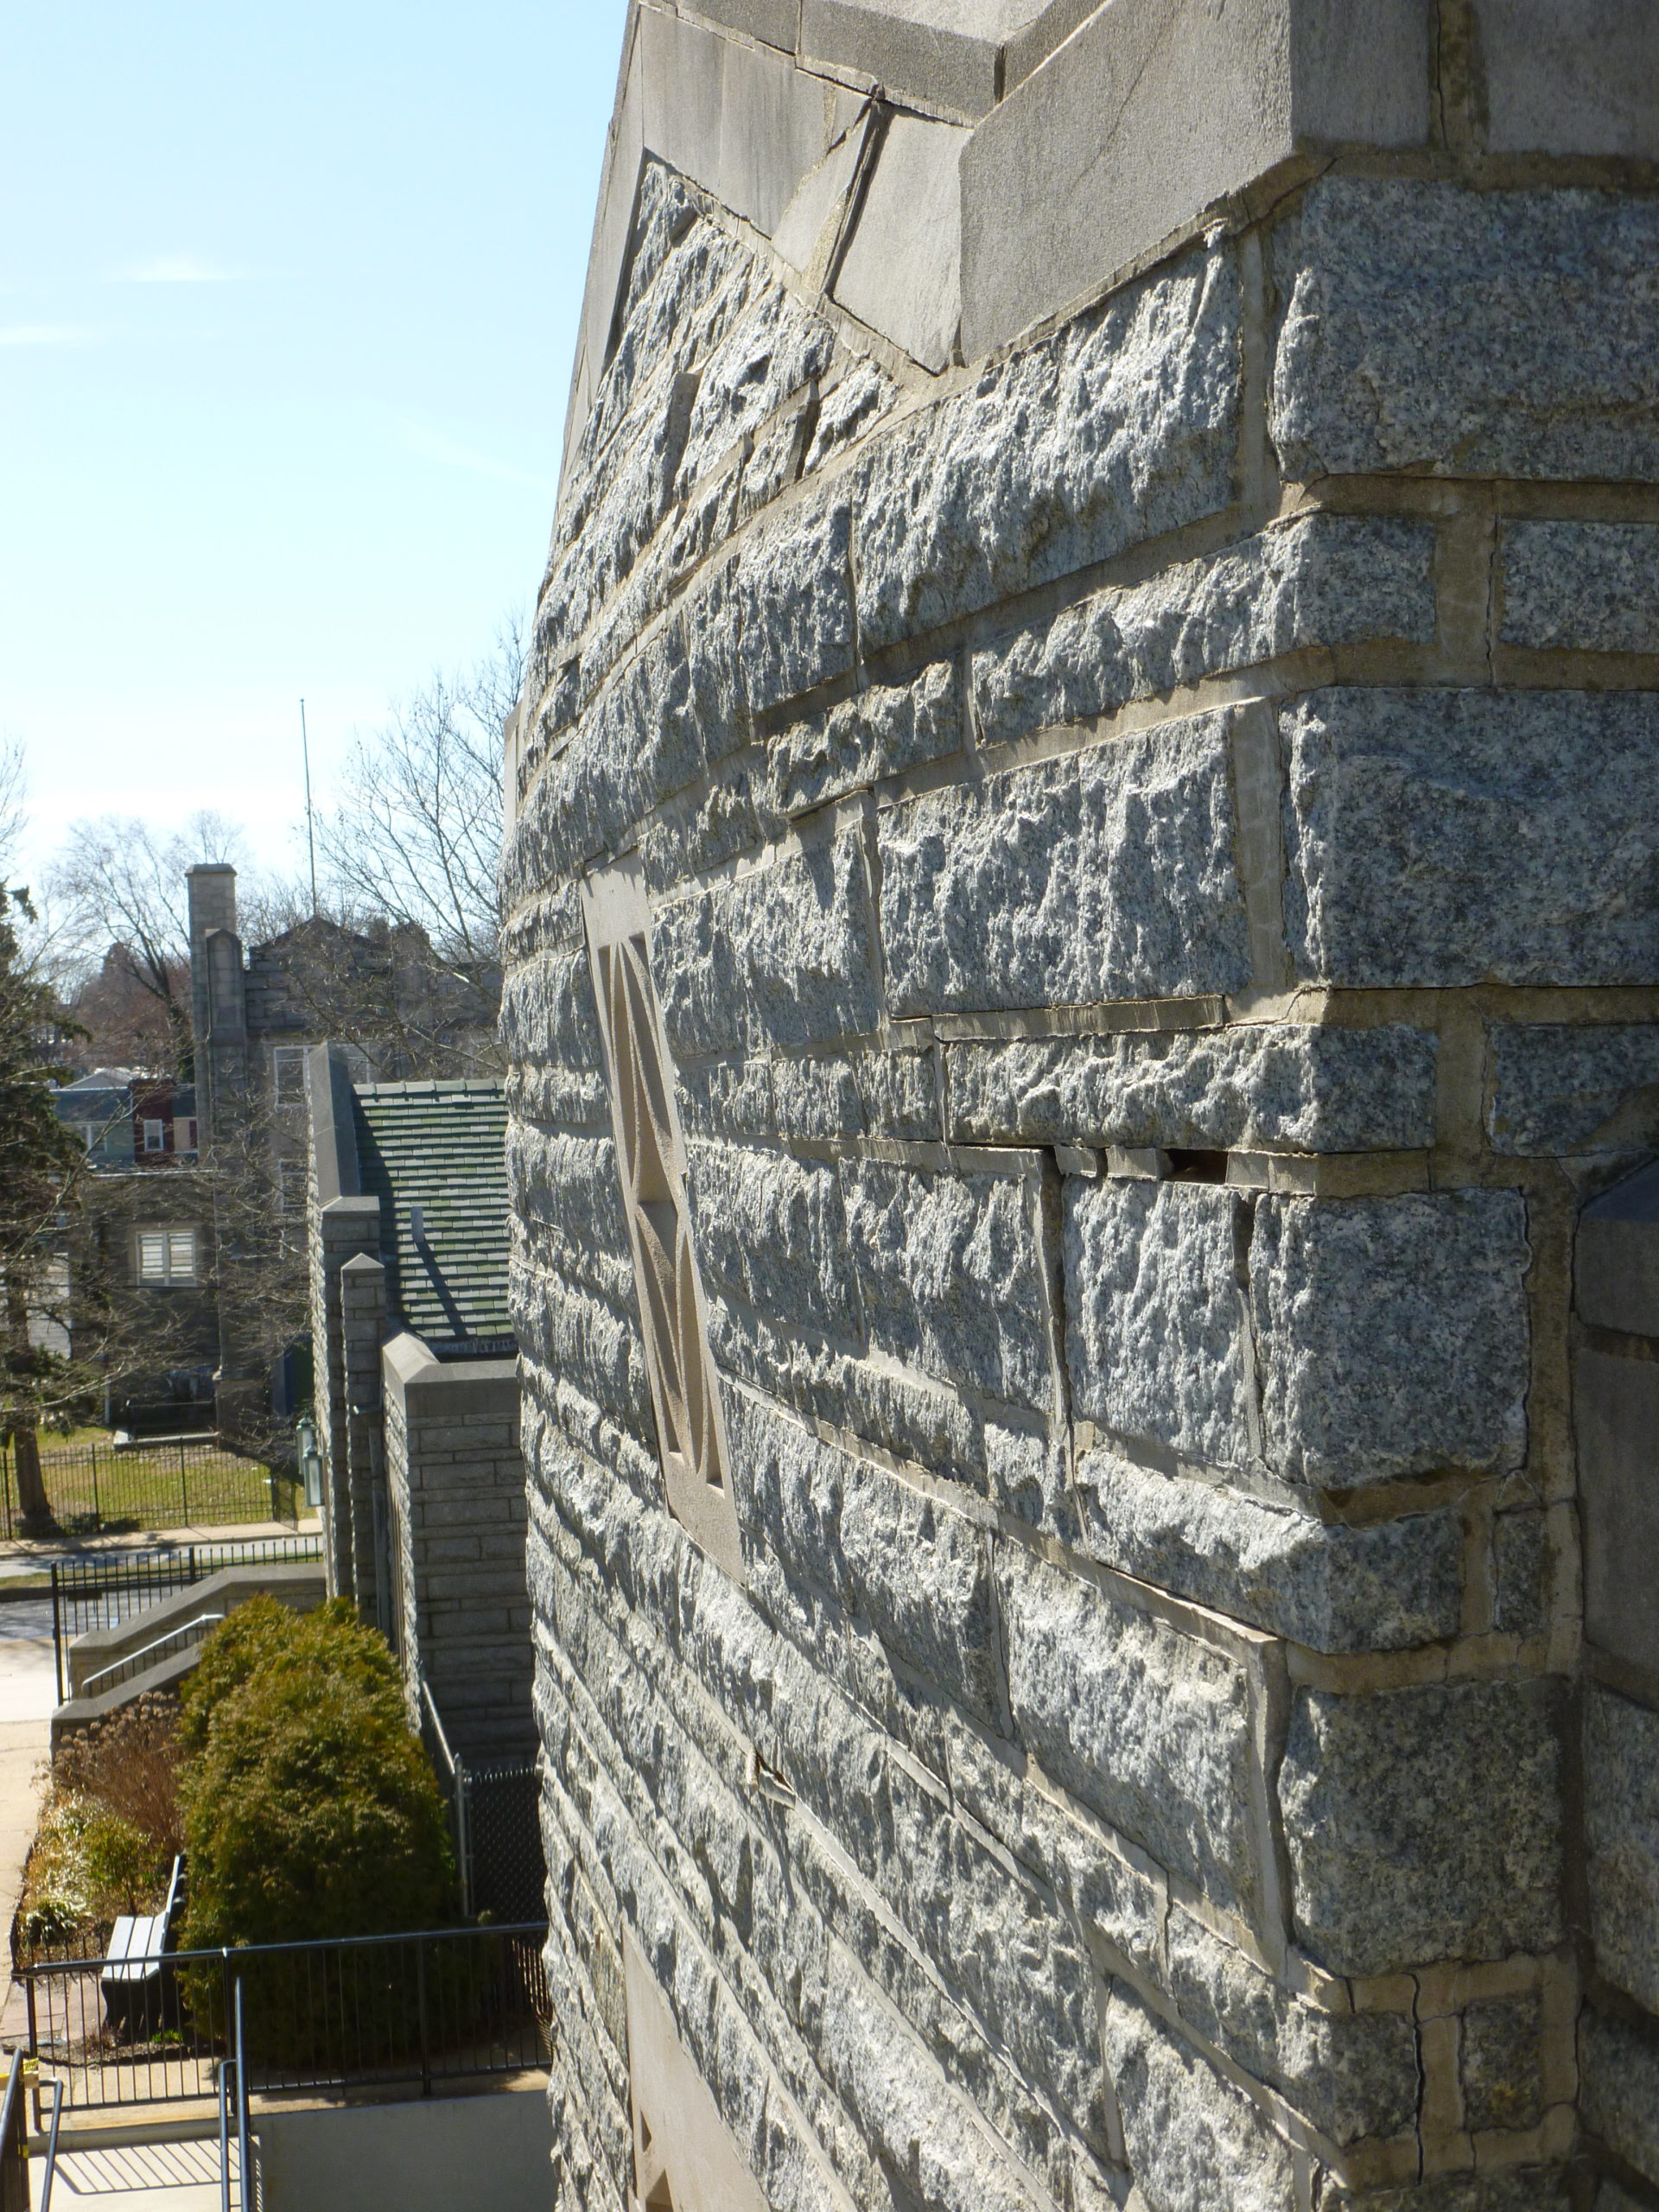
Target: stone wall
(1149, 841)
(456, 1508)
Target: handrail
(13, 2157)
(50, 2174)
(45, 1969)
(458, 1776)
(131, 1658)
(242, 2161)
(449, 1758)
(225, 2066)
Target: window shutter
(180, 1254)
(152, 1258)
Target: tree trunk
(35, 1514)
(35, 1517)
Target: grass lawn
(92, 1486)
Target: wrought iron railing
(90, 1594)
(171, 1483)
(434, 2007)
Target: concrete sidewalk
(143, 2177)
(27, 1695)
(23, 1555)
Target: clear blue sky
(288, 298)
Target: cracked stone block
(1276, 1087)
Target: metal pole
(52, 2146)
(241, 2103)
(57, 1631)
(464, 1836)
(184, 1495)
(98, 1517)
(419, 1984)
(310, 833)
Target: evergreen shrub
(309, 1809)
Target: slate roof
(439, 1146)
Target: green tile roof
(441, 1147)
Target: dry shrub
(129, 1766)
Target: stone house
(135, 1283)
(424, 1507)
(1081, 1007)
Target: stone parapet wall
(457, 1507)
(1150, 842)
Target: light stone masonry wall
(1151, 836)
(456, 1504)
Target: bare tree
(414, 840)
(122, 892)
(41, 1174)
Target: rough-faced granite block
(1194, 2141)
(1500, 2059)
(1584, 587)
(1156, 1341)
(952, 1276)
(700, 830)
(876, 733)
(1559, 1087)
(909, 1413)
(1108, 875)
(1332, 1588)
(548, 1011)
(688, 279)
(1326, 580)
(1621, 1791)
(783, 956)
(568, 1206)
(773, 1229)
(585, 1340)
(1442, 838)
(1148, 1727)
(1423, 1824)
(918, 1573)
(1279, 1087)
(1520, 1562)
(1116, 429)
(1470, 333)
(1352, 2075)
(794, 584)
(770, 351)
(1391, 1334)
(1619, 2087)
(1515, 2189)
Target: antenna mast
(310, 832)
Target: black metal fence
(169, 1483)
(442, 2005)
(495, 1819)
(97, 1592)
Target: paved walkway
(27, 1694)
(18, 1555)
(143, 2177)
